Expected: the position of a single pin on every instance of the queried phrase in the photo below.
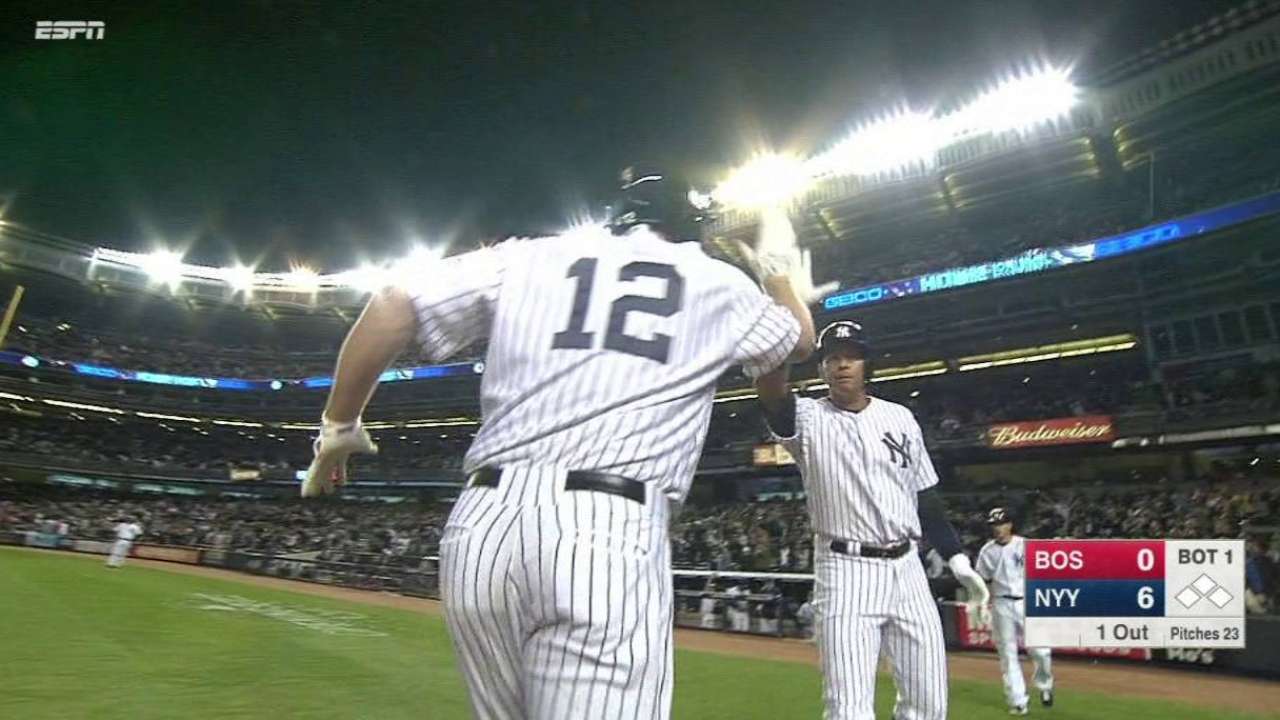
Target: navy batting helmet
(650, 197)
(846, 334)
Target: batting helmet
(846, 334)
(998, 516)
(650, 197)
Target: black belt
(848, 547)
(1011, 597)
(576, 480)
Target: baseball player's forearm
(778, 402)
(779, 288)
(937, 528)
(384, 329)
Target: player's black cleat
(1046, 698)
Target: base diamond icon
(1204, 588)
(1204, 584)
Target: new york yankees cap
(998, 515)
(843, 333)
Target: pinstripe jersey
(861, 470)
(603, 350)
(1005, 566)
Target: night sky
(324, 133)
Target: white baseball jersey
(603, 356)
(707, 607)
(128, 531)
(1005, 566)
(603, 352)
(861, 470)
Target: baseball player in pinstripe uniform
(1003, 562)
(604, 350)
(869, 486)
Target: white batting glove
(778, 254)
(979, 595)
(983, 615)
(336, 442)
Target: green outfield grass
(80, 641)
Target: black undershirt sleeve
(783, 421)
(937, 528)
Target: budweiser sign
(772, 454)
(1058, 431)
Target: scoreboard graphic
(1135, 593)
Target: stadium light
(1074, 348)
(301, 277)
(700, 200)
(407, 270)
(240, 278)
(82, 406)
(164, 267)
(367, 278)
(162, 416)
(441, 422)
(897, 141)
(238, 423)
(1015, 104)
(768, 180)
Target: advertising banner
(43, 540)
(97, 547)
(771, 454)
(190, 556)
(1057, 431)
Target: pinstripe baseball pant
(559, 603)
(863, 605)
(1007, 630)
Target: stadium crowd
(213, 452)
(760, 536)
(57, 340)
(947, 410)
(338, 532)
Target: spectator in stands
(1259, 576)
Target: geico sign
(856, 297)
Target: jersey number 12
(657, 347)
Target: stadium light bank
(903, 139)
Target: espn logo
(70, 29)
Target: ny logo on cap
(844, 331)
